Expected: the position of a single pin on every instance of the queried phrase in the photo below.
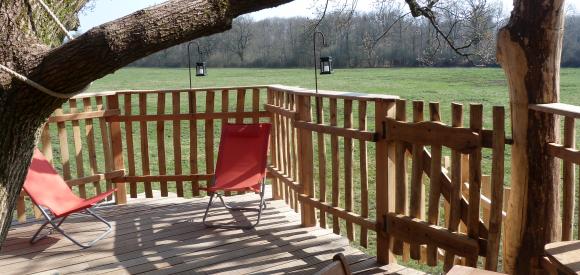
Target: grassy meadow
(445, 85)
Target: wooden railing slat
(176, 106)
(348, 168)
(161, 144)
(568, 193)
(434, 186)
(454, 198)
(193, 166)
(476, 124)
(78, 144)
(497, 189)
(417, 202)
(335, 163)
(321, 143)
(209, 135)
(130, 147)
(90, 135)
(363, 160)
(105, 142)
(144, 138)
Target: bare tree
(241, 36)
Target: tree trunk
(529, 50)
(72, 66)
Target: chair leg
(207, 210)
(260, 208)
(56, 226)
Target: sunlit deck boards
(166, 236)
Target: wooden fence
(347, 161)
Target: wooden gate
(416, 224)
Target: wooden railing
(566, 151)
(340, 159)
(322, 181)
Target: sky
(107, 10)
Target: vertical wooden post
(161, 144)
(117, 148)
(497, 177)
(273, 145)
(305, 160)
(364, 185)
(321, 159)
(335, 163)
(176, 109)
(384, 255)
(434, 186)
(568, 182)
(348, 169)
(417, 202)
(456, 183)
(476, 124)
(400, 174)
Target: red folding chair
(241, 166)
(56, 200)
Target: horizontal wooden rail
(559, 151)
(85, 115)
(150, 178)
(433, 133)
(280, 111)
(196, 90)
(284, 178)
(331, 94)
(562, 109)
(417, 231)
(340, 212)
(198, 116)
(335, 130)
(97, 177)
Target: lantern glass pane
(326, 65)
(200, 69)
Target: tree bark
(72, 66)
(529, 50)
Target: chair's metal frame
(233, 208)
(57, 222)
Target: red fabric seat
(242, 157)
(241, 166)
(47, 188)
(50, 192)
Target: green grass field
(445, 85)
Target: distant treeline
(386, 37)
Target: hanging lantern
(326, 65)
(200, 69)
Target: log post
(529, 50)
(384, 255)
(305, 160)
(117, 148)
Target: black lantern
(325, 62)
(326, 65)
(200, 69)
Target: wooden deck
(166, 236)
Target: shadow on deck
(166, 236)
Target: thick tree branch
(111, 46)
